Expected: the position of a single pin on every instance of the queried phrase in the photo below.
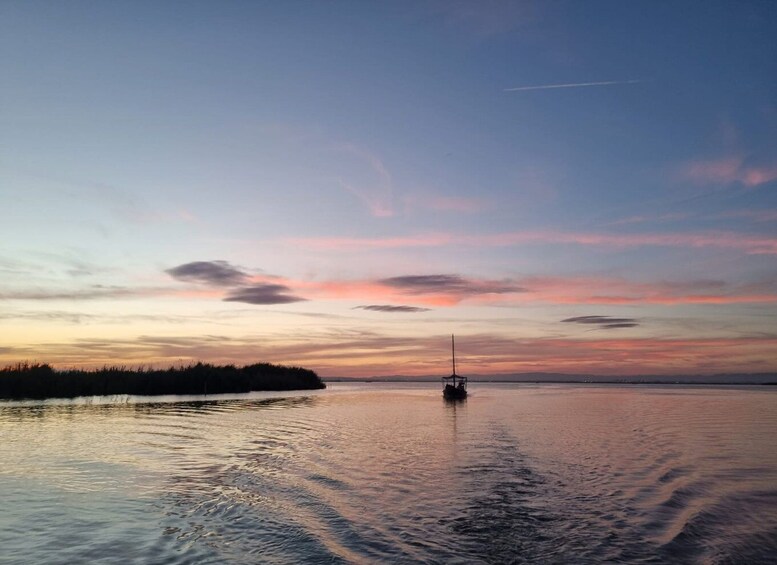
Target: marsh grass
(40, 380)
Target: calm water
(392, 473)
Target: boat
(455, 386)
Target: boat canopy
(455, 379)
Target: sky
(577, 187)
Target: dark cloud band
(391, 308)
(454, 284)
(217, 273)
(604, 322)
(262, 294)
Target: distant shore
(561, 378)
(39, 381)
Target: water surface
(369, 473)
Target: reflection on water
(393, 473)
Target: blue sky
(394, 172)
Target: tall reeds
(36, 380)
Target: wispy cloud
(49, 316)
(391, 308)
(751, 244)
(662, 218)
(727, 170)
(95, 292)
(765, 215)
(485, 18)
(113, 318)
(439, 203)
(375, 190)
(366, 243)
(618, 291)
(768, 215)
(361, 353)
(570, 85)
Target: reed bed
(40, 380)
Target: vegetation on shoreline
(34, 380)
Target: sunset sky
(580, 187)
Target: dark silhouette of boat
(455, 386)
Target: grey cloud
(262, 294)
(217, 273)
(431, 282)
(423, 284)
(390, 308)
(603, 322)
(221, 273)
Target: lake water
(368, 473)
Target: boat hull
(454, 393)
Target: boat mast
(453, 357)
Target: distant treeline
(33, 380)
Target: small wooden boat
(455, 386)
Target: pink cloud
(728, 170)
(445, 290)
(758, 176)
(717, 171)
(450, 290)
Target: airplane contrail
(571, 85)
